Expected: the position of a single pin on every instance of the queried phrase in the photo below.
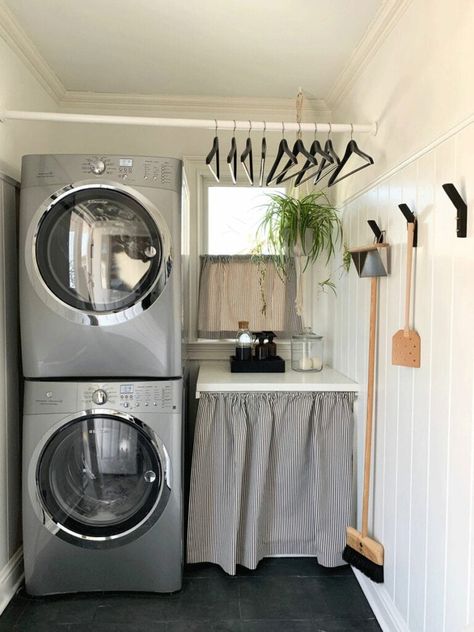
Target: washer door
(101, 480)
(101, 251)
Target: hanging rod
(148, 121)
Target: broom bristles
(372, 570)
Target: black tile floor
(281, 595)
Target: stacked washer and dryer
(100, 305)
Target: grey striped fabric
(233, 287)
(271, 475)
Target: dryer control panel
(140, 171)
(158, 396)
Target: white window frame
(198, 178)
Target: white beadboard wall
(423, 492)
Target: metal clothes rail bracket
(461, 207)
(411, 219)
(60, 117)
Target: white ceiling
(205, 48)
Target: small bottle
(243, 348)
(271, 346)
(307, 351)
(261, 349)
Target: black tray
(270, 365)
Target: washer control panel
(150, 396)
(159, 396)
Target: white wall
(417, 87)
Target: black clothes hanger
(214, 154)
(351, 149)
(298, 148)
(315, 150)
(283, 149)
(232, 157)
(326, 167)
(263, 156)
(247, 155)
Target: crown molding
(159, 105)
(21, 44)
(205, 106)
(378, 30)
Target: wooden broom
(363, 552)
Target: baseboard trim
(11, 576)
(387, 615)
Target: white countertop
(215, 377)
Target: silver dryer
(100, 281)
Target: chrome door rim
(95, 542)
(74, 314)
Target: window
(235, 282)
(233, 216)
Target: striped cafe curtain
(271, 475)
(238, 287)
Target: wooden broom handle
(411, 232)
(370, 406)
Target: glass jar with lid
(244, 339)
(307, 351)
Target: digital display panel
(126, 388)
(126, 162)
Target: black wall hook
(376, 230)
(411, 219)
(461, 207)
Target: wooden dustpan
(406, 343)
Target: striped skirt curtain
(271, 475)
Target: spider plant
(308, 227)
(302, 230)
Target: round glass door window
(100, 477)
(99, 250)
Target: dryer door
(101, 252)
(102, 480)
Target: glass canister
(307, 351)
(244, 339)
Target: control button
(49, 394)
(146, 403)
(155, 404)
(98, 167)
(99, 396)
(126, 404)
